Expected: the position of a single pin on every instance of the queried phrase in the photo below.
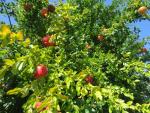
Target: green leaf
(84, 91)
(98, 95)
(78, 88)
(129, 95)
(9, 62)
(129, 102)
(23, 91)
(45, 103)
(76, 108)
(20, 65)
(2, 53)
(125, 111)
(68, 81)
(110, 109)
(62, 97)
(3, 70)
(14, 91)
(87, 111)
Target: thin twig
(7, 13)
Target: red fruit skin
(28, 6)
(44, 12)
(46, 41)
(143, 50)
(88, 46)
(38, 104)
(51, 8)
(100, 38)
(41, 71)
(142, 10)
(89, 79)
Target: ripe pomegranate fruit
(47, 42)
(89, 79)
(143, 50)
(88, 46)
(41, 71)
(142, 10)
(38, 104)
(51, 8)
(44, 12)
(100, 37)
(28, 6)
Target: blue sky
(143, 25)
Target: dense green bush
(75, 57)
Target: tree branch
(7, 13)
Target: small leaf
(20, 66)
(63, 97)
(84, 92)
(98, 95)
(110, 109)
(3, 71)
(14, 91)
(129, 95)
(9, 62)
(27, 42)
(87, 111)
(3, 52)
(125, 111)
(129, 102)
(68, 81)
(23, 91)
(5, 31)
(19, 36)
(78, 88)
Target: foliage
(118, 67)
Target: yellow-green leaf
(98, 95)
(9, 62)
(14, 91)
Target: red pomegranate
(46, 41)
(89, 79)
(143, 50)
(38, 104)
(41, 71)
(44, 12)
(88, 46)
(100, 37)
(27, 6)
(142, 10)
(51, 8)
